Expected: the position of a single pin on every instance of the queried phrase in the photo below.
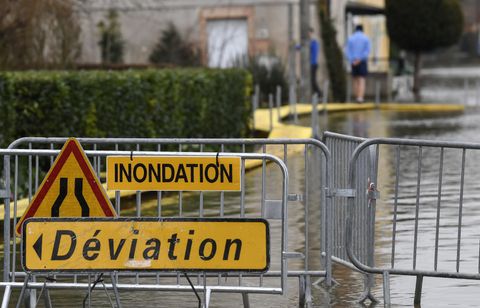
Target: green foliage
(172, 48)
(143, 103)
(111, 42)
(421, 26)
(333, 56)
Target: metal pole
(6, 296)
(477, 95)
(291, 51)
(418, 290)
(6, 220)
(295, 115)
(270, 108)
(465, 91)
(279, 102)
(255, 100)
(315, 115)
(349, 89)
(325, 95)
(386, 288)
(377, 93)
(253, 115)
(291, 91)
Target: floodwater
(437, 292)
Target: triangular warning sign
(70, 189)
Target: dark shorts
(360, 70)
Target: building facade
(224, 30)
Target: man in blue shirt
(357, 51)
(314, 49)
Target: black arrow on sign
(38, 246)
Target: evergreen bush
(173, 49)
(111, 41)
(145, 103)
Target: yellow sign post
(173, 173)
(143, 244)
(70, 189)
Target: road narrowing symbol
(70, 189)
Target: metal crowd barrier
(432, 202)
(342, 147)
(311, 256)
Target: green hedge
(138, 103)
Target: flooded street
(436, 292)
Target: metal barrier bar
(6, 296)
(278, 101)
(141, 287)
(395, 205)
(439, 200)
(417, 206)
(460, 207)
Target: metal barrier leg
(301, 291)
(46, 298)
(22, 292)
(367, 292)
(115, 290)
(246, 302)
(46, 295)
(6, 296)
(418, 290)
(386, 289)
(208, 292)
(32, 295)
(308, 291)
(304, 291)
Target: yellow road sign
(70, 189)
(143, 244)
(173, 173)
